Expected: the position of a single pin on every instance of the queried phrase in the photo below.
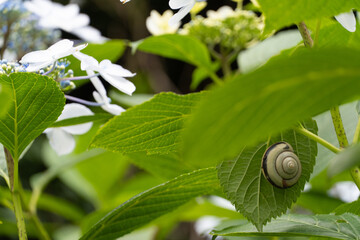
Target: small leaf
(318, 202)
(36, 103)
(153, 126)
(344, 160)
(269, 100)
(344, 226)
(353, 207)
(289, 12)
(246, 187)
(180, 47)
(153, 203)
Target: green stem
(305, 35)
(335, 112)
(13, 169)
(343, 141)
(318, 139)
(357, 132)
(339, 127)
(239, 4)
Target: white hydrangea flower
(43, 58)
(221, 14)
(68, 18)
(346, 191)
(184, 5)
(101, 97)
(61, 139)
(112, 73)
(347, 20)
(159, 24)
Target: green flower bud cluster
(231, 29)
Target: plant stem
(357, 132)
(343, 142)
(339, 127)
(318, 139)
(335, 112)
(13, 169)
(305, 35)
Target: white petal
(111, 108)
(36, 57)
(97, 84)
(114, 69)
(120, 83)
(180, 14)
(37, 66)
(346, 191)
(87, 62)
(176, 4)
(76, 110)
(89, 34)
(61, 141)
(61, 46)
(70, 24)
(347, 20)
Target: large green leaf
(36, 103)
(153, 203)
(246, 187)
(318, 202)
(335, 35)
(180, 47)
(344, 226)
(283, 13)
(269, 100)
(5, 99)
(260, 53)
(163, 166)
(153, 126)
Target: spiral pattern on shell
(280, 165)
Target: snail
(280, 165)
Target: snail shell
(280, 165)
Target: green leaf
(318, 202)
(260, 53)
(100, 117)
(153, 126)
(180, 47)
(153, 203)
(334, 34)
(5, 96)
(246, 187)
(344, 226)
(200, 74)
(344, 160)
(36, 103)
(163, 166)
(279, 14)
(353, 207)
(269, 100)
(84, 173)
